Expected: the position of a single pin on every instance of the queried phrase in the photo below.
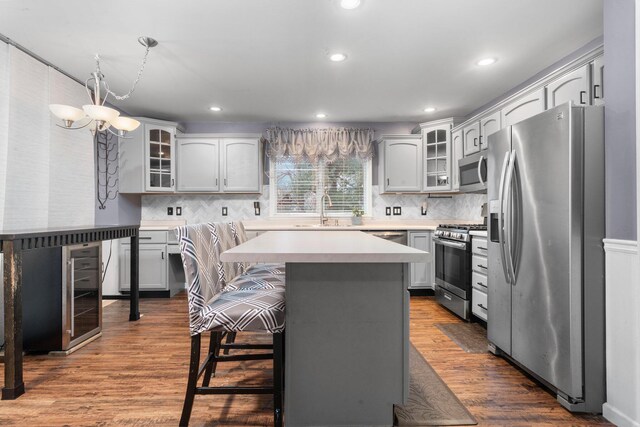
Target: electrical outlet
(387, 211)
(169, 210)
(224, 211)
(256, 208)
(397, 210)
(178, 210)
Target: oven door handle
(456, 245)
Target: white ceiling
(266, 60)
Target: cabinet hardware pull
(387, 181)
(483, 307)
(475, 142)
(225, 182)
(481, 266)
(481, 284)
(162, 255)
(145, 238)
(595, 91)
(480, 247)
(173, 182)
(582, 93)
(480, 139)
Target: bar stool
(219, 311)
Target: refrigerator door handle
(508, 221)
(501, 242)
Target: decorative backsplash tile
(208, 207)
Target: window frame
(367, 192)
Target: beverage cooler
(62, 297)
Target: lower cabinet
(421, 275)
(479, 307)
(160, 265)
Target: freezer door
(544, 229)
(498, 284)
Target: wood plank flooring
(136, 375)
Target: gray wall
(620, 118)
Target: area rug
(471, 337)
(431, 402)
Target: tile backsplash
(207, 207)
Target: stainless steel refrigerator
(546, 257)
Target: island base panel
(347, 343)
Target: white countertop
(345, 224)
(322, 246)
(479, 233)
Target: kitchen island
(347, 323)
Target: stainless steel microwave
(473, 173)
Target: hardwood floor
(135, 374)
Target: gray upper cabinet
(198, 164)
(457, 151)
(402, 163)
(597, 81)
(524, 107)
(146, 158)
(488, 125)
(437, 154)
(241, 166)
(573, 86)
(471, 135)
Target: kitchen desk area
(347, 323)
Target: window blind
(299, 185)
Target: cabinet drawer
(479, 245)
(479, 263)
(153, 237)
(479, 304)
(479, 281)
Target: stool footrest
(234, 390)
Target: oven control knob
(456, 235)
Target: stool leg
(231, 338)
(214, 349)
(278, 377)
(194, 365)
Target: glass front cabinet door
(437, 158)
(160, 155)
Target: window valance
(320, 144)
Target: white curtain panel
(320, 144)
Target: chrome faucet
(323, 220)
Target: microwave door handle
(509, 219)
(480, 171)
(505, 164)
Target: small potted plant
(356, 219)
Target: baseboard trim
(617, 417)
(422, 292)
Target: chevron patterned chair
(216, 308)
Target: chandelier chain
(135, 82)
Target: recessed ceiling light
(486, 61)
(430, 109)
(349, 4)
(216, 109)
(321, 116)
(337, 57)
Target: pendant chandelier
(96, 116)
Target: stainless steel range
(453, 266)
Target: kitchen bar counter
(13, 244)
(347, 323)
